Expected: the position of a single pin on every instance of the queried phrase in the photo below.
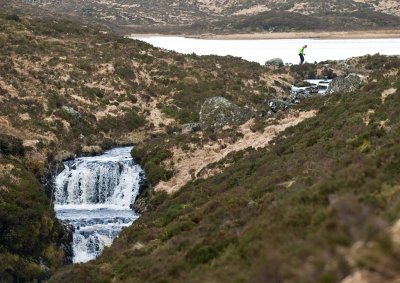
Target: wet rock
(217, 112)
(140, 206)
(313, 89)
(322, 87)
(278, 62)
(67, 241)
(302, 84)
(301, 94)
(141, 203)
(143, 183)
(53, 168)
(344, 85)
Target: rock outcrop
(344, 85)
(67, 242)
(276, 105)
(278, 62)
(72, 112)
(217, 112)
(191, 127)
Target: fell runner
(301, 54)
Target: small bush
(10, 145)
(13, 17)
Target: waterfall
(95, 195)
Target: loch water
(261, 50)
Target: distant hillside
(232, 16)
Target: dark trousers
(301, 58)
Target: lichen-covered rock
(217, 112)
(301, 94)
(72, 112)
(191, 127)
(275, 62)
(344, 85)
(276, 105)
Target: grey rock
(276, 105)
(67, 241)
(43, 266)
(278, 62)
(344, 85)
(296, 96)
(141, 205)
(72, 112)
(191, 127)
(302, 84)
(217, 112)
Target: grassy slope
(301, 211)
(29, 232)
(46, 63)
(114, 84)
(285, 21)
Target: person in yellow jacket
(301, 54)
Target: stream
(95, 195)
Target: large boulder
(217, 112)
(344, 85)
(71, 112)
(278, 62)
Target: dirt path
(188, 164)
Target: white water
(94, 194)
(286, 49)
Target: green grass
(247, 225)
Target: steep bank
(195, 163)
(319, 205)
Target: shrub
(13, 17)
(10, 145)
(206, 251)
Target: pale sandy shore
(313, 35)
(291, 35)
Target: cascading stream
(95, 195)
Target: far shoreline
(375, 34)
